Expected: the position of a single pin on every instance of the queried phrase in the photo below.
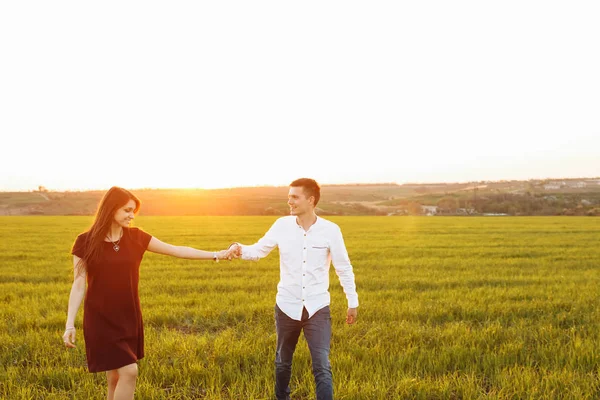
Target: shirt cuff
(352, 301)
(245, 255)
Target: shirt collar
(317, 222)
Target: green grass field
(451, 308)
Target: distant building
(577, 185)
(552, 186)
(429, 210)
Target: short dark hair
(309, 186)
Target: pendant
(116, 247)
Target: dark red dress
(112, 316)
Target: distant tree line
(538, 204)
(504, 203)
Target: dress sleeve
(79, 246)
(141, 238)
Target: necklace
(115, 244)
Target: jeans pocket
(324, 313)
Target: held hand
(224, 255)
(69, 338)
(351, 317)
(236, 250)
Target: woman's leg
(112, 377)
(126, 383)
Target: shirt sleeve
(263, 247)
(79, 246)
(343, 267)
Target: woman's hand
(234, 251)
(224, 255)
(69, 337)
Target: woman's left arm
(156, 246)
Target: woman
(108, 256)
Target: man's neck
(306, 220)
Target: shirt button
(305, 248)
(303, 274)
(304, 261)
(305, 234)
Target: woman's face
(124, 215)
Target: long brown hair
(114, 199)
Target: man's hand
(351, 317)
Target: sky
(222, 94)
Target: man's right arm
(262, 248)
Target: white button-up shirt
(305, 257)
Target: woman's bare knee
(128, 372)
(112, 377)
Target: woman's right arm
(75, 298)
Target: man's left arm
(343, 269)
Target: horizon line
(320, 184)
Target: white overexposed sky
(218, 94)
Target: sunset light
(227, 200)
(257, 98)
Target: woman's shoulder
(82, 236)
(133, 230)
(136, 233)
(81, 243)
(139, 236)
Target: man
(307, 245)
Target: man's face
(298, 202)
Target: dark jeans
(317, 331)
